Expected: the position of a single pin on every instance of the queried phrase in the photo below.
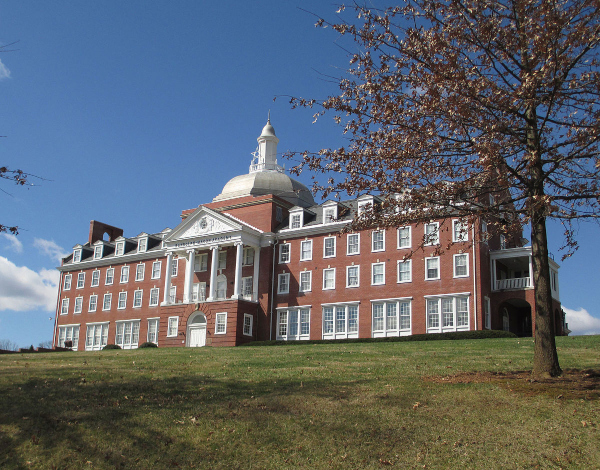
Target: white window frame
(388, 317)
(156, 267)
(408, 263)
(68, 333)
(129, 331)
(401, 239)
(154, 291)
(373, 266)
(296, 220)
(285, 253)
(173, 294)
(80, 281)
(107, 296)
(373, 235)
(77, 256)
(455, 265)
(327, 271)
(172, 327)
(201, 262)
(329, 214)
(156, 322)
(98, 333)
(330, 240)
(199, 292)
(348, 268)
(436, 310)
(247, 325)
(142, 245)
(122, 300)
(460, 231)
(140, 271)
(428, 238)
(120, 248)
(348, 244)
(67, 281)
(301, 287)
(64, 306)
(247, 287)
(340, 320)
(110, 276)
(427, 278)
(95, 282)
(306, 255)
(248, 256)
(222, 259)
(283, 283)
(93, 307)
(98, 251)
(221, 323)
(286, 324)
(138, 295)
(124, 279)
(174, 267)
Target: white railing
(515, 283)
(266, 166)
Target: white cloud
(4, 72)
(49, 248)
(23, 289)
(581, 322)
(15, 243)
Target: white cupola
(265, 157)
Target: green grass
(310, 406)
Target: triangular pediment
(201, 223)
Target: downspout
(272, 292)
(56, 311)
(474, 278)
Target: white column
(530, 272)
(237, 285)
(189, 276)
(256, 273)
(167, 279)
(214, 263)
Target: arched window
(221, 286)
(505, 323)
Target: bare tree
(18, 177)
(481, 108)
(8, 345)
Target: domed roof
(267, 182)
(268, 130)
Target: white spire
(265, 157)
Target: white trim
(409, 237)
(89, 302)
(392, 299)
(357, 266)
(325, 247)
(289, 253)
(404, 262)
(293, 306)
(438, 269)
(464, 235)
(377, 250)
(436, 241)
(247, 315)
(324, 278)
(348, 244)
(456, 294)
(309, 281)
(217, 316)
(333, 304)
(310, 242)
(466, 255)
(169, 327)
(373, 283)
(279, 277)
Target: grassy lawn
(375, 405)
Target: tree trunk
(545, 358)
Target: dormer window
(120, 249)
(98, 251)
(76, 256)
(142, 245)
(296, 221)
(363, 203)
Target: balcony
(511, 269)
(514, 283)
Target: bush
(148, 344)
(111, 346)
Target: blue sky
(132, 111)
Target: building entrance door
(196, 331)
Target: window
(128, 334)
(306, 250)
(96, 336)
(487, 311)
(305, 281)
(95, 278)
(76, 256)
(364, 205)
(432, 268)
(461, 265)
(505, 320)
(296, 221)
(199, 292)
(432, 234)
(68, 334)
(137, 298)
(502, 242)
(222, 259)
(174, 267)
(460, 231)
(248, 256)
(247, 324)
(221, 286)
(152, 336)
(154, 297)
(64, 306)
(353, 244)
(284, 253)
(378, 241)
(106, 301)
(328, 278)
(120, 248)
(404, 237)
(110, 276)
(405, 271)
(122, 300)
(142, 245)
(80, 280)
(283, 283)
(67, 282)
(329, 215)
(98, 251)
(139, 272)
(93, 304)
(172, 294)
(78, 304)
(201, 262)
(173, 326)
(340, 321)
(378, 274)
(352, 276)
(124, 274)
(293, 324)
(392, 318)
(328, 247)
(278, 214)
(447, 313)
(156, 270)
(247, 287)
(221, 323)
(484, 231)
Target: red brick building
(264, 261)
